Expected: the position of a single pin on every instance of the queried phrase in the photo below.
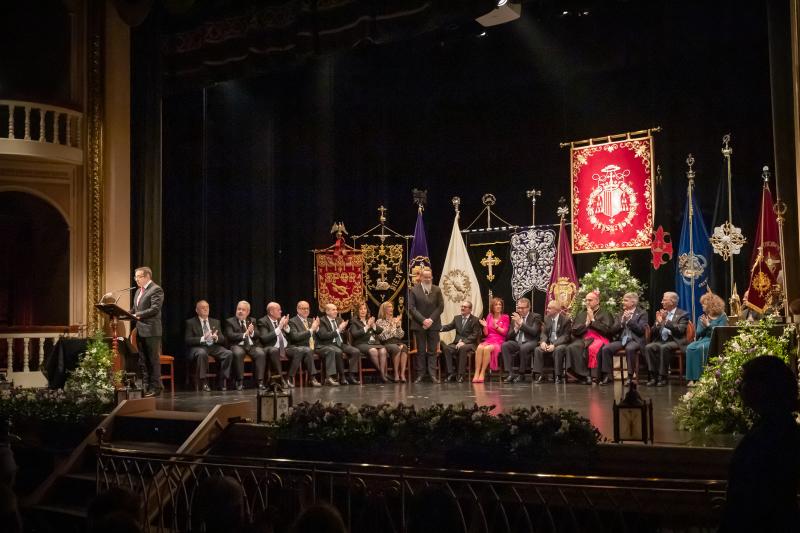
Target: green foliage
(93, 380)
(528, 432)
(714, 405)
(612, 278)
(25, 405)
(89, 391)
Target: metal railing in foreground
(375, 498)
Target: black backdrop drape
(256, 170)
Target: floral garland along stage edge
(612, 278)
(525, 432)
(89, 391)
(714, 406)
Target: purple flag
(563, 281)
(418, 256)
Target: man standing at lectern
(147, 302)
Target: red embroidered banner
(340, 277)
(612, 196)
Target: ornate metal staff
(532, 194)
(727, 239)
(689, 191)
(780, 211)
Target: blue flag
(418, 256)
(693, 264)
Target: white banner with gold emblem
(458, 282)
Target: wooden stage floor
(593, 402)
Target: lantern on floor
(272, 404)
(129, 391)
(633, 418)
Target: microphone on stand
(111, 293)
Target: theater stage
(593, 402)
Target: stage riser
(625, 460)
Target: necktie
(625, 335)
(664, 331)
(311, 338)
(521, 334)
(205, 331)
(247, 340)
(139, 298)
(554, 331)
(336, 330)
(281, 340)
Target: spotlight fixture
(505, 11)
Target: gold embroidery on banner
(642, 149)
(489, 261)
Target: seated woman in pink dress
(495, 328)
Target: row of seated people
(583, 344)
(586, 344)
(276, 337)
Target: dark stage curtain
(255, 171)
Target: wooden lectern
(116, 313)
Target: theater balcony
(41, 132)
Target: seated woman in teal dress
(697, 351)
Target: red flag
(661, 247)
(563, 281)
(766, 258)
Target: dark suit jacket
(637, 324)
(326, 335)
(421, 307)
(562, 332)
(266, 333)
(531, 326)
(678, 325)
(149, 310)
(193, 332)
(359, 334)
(469, 334)
(298, 334)
(602, 324)
(234, 333)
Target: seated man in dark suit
(553, 340)
(203, 338)
(468, 329)
(521, 339)
(302, 331)
(669, 334)
(629, 328)
(331, 345)
(242, 336)
(273, 339)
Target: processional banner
(340, 277)
(612, 195)
(533, 253)
(490, 255)
(384, 270)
